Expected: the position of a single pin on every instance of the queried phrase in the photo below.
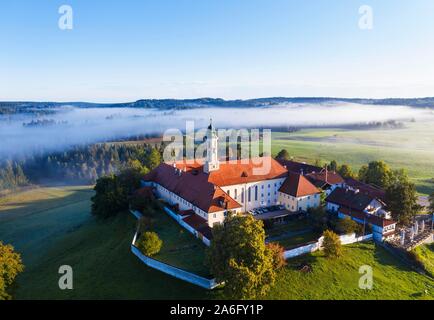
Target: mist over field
(21, 135)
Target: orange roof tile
(297, 185)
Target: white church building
(213, 189)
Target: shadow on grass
(386, 258)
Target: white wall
(294, 204)
(266, 196)
(332, 207)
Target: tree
(278, 255)
(149, 243)
(318, 163)
(110, 197)
(239, 257)
(401, 200)
(333, 166)
(345, 171)
(431, 203)
(283, 155)
(139, 202)
(377, 173)
(153, 159)
(10, 266)
(347, 226)
(318, 219)
(332, 244)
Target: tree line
(80, 164)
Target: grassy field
(339, 278)
(180, 248)
(425, 255)
(410, 148)
(288, 234)
(51, 227)
(298, 240)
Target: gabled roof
(368, 189)
(199, 224)
(192, 185)
(297, 185)
(299, 167)
(323, 177)
(240, 172)
(350, 199)
(370, 218)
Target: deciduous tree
(10, 266)
(332, 244)
(149, 243)
(239, 257)
(401, 200)
(283, 155)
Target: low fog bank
(22, 135)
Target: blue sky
(131, 49)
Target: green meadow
(339, 278)
(52, 227)
(410, 148)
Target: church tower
(212, 161)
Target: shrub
(277, 252)
(150, 244)
(332, 244)
(347, 226)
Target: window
(269, 186)
(229, 193)
(250, 194)
(236, 193)
(256, 193)
(242, 195)
(214, 216)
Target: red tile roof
(349, 199)
(193, 187)
(240, 172)
(368, 189)
(373, 219)
(330, 177)
(203, 190)
(299, 167)
(195, 221)
(297, 185)
(185, 213)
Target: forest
(80, 164)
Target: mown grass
(59, 230)
(298, 240)
(339, 278)
(180, 248)
(409, 148)
(424, 254)
(104, 267)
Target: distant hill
(168, 104)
